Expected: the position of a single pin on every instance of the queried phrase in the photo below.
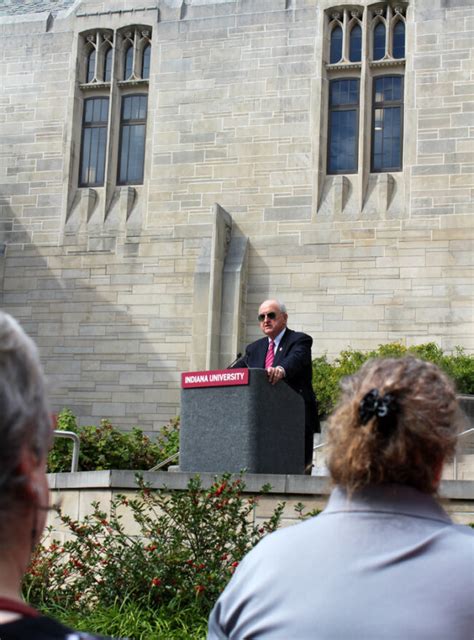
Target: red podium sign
(216, 378)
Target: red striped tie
(270, 355)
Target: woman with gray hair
(383, 560)
(25, 434)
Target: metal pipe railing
(76, 447)
(455, 459)
(76, 443)
(163, 463)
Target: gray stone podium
(257, 427)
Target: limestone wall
(76, 491)
(104, 279)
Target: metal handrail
(320, 446)
(455, 459)
(76, 443)
(163, 463)
(464, 433)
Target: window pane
(108, 65)
(355, 44)
(343, 125)
(90, 66)
(127, 109)
(104, 109)
(387, 123)
(94, 142)
(344, 92)
(142, 107)
(388, 89)
(97, 110)
(146, 62)
(379, 41)
(336, 45)
(88, 110)
(128, 63)
(342, 141)
(134, 108)
(94, 152)
(399, 40)
(135, 103)
(123, 172)
(387, 139)
(102, 137)
(132, 146)
(86, 146)
(132, 154)
(137, 148)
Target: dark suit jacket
(294, 355)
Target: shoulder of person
(256, 343)
(297, 335)
(43, 628)
(465, 534)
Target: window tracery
(97, 48)
(361, 43)
(108, 64)
(136, 47)
(113, 63)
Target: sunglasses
(271, 316)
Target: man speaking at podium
(286, 355)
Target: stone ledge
(280, 484)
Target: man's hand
(275, 374)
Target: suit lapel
(282, 347)
(262, 352)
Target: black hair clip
(384, 408)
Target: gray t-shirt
(387, 564)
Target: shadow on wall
(111, 345)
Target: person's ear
(29, 468)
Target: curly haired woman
(383, 560)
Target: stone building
(167, 164)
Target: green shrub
(188, 546)
(326, 376)
(128, 619)
(460, 367)
(105, 447)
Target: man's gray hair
(24, 412)
(282, 306)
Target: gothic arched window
(336, 45)
(128, 63)
(378, 50)
(355, 44)
(125, 56)
(146, 55)
(399, 40)
(108, 65)
(350, 77)
(90, 67)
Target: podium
(252, 425)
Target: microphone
(234, 362)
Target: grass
(135, 621)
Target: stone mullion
(365, 115)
